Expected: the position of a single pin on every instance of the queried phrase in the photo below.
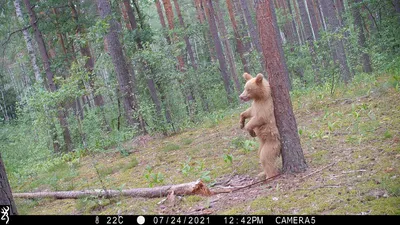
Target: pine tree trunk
(186, 38)
(132, 25)
(313, 19)
(309, 38)
(181, 64)
(238, 40)
(162, 21)
(120, 65)
(298, 21)
(219, 15)
(339, 53)
(28, 42)
(361, 38)
(191, 56)
(292, 153)
(85, 51)
(294, 27)
(252, 28)
(243, 28)
(287, 27)
(200, 11)
(340, 10)
(218, 49)
(50, 76)
(316, 11)
(6, 197)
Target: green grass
(171, 147)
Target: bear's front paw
(241, 125)
(252, 133)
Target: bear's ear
(259, 78)
(247, 76)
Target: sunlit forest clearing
(117, 95)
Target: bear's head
(255, 88)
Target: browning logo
(5, 210)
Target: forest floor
(350, 141)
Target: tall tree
(239, 43)
(170, 19)
(366, 61)
(181, 63)
(297, 19)
(340, 10)
(313, 19)
(309, 38)
(28, 42)
(6, 197)
(320, 13)
(151, 84)
(292, 153)
(162, 20)
(49, 74)
(120, 66)
(243, 28)
(185, 37)
(339, 54)
(252, 28)
(294, 26)
(219, 15)
(86, 52)
(218, 48)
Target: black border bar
(201, 219)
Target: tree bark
(6, 196)
(287, 27)
(132, 25)
(313, 19)
(317, 12)
(294, 26)
(181, 64)
(85, 51)
(218, 49)
(340, 10)
(49, 74)
(28, 42)
(243, 28)
(192, 188)
(162, 21)
(185, 37)
(333, 26)
(238, 40)
(219, 15)
(309, 38)
(199, 11)
(320, 13)
(120, 65)
(252, 28)
(366, 61)
(292, 153)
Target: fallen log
(192, 188)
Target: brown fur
(262, 121)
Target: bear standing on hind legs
(262, 121)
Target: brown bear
(262, 121)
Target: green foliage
(153, 178)
(228, 158)
(244, 144)
(195, 169)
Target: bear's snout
(244, 97)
